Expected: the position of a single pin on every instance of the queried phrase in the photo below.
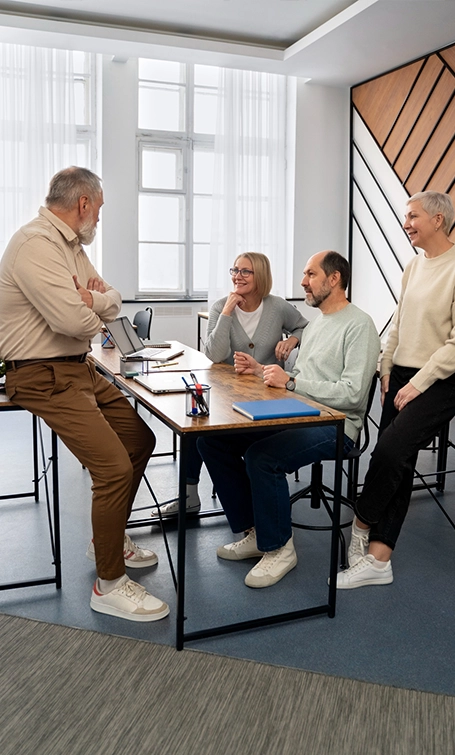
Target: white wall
(322, 174)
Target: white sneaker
(128, 601)
(135, 557)
(273, 566)
(358, 547)
(364, 572)
(193, 504)
(245, 548)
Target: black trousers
(384, 501)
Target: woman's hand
(385, 380)
(284, 348)
(274, 376)
(244, 364)
(405, 395)
(231, 302)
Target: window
(84, 76)
(177, 105)
(84, 73)
(47, 122)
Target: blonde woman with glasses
(250, 319)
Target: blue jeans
(249, 473)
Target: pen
(194, 395)
(199, 395)
(166, 364)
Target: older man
(52, 303)
(336, 363)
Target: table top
(226, 387)
(191, 360)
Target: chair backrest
(143, 323)
(366, 428)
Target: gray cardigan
(225, 334)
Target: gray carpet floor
(76, 692)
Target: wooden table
(52, 512)
(226, 387)
(108, 360)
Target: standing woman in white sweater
(417, 389)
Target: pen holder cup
(197, 405)
(106, 341)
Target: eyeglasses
(245, 273)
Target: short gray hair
(68, 185)
(434, 202)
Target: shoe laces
(360, 538)
(133, 590)
(269, 559)
(360, 565)
(130, 547)
(247, 539)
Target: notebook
(275, 408)
(171, 382)
(128, 342)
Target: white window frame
(187, 141)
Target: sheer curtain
(37, 129)
(249, 197)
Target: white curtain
(249, 198)
(37, 129)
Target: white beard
(86, 233)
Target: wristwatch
(290, 385)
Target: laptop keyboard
(148, 353)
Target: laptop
(130, 345)
(171, 382)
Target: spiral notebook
(275, 408)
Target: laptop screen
(125, 336)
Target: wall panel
(403, 141)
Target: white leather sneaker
(193, 504)
(273, 566)
(134, 557)
(128, 600)
(245, 548)
(364, 572)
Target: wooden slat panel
(412, 108)
(379, 101)
(435, 147)
(449, 56)
(445, 174)
(425, 124)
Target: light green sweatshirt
(337, 360)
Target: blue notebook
(275, 408)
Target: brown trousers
(97, 423)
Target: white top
(249, 320)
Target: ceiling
(331, 42)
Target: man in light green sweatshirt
(336, 363)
